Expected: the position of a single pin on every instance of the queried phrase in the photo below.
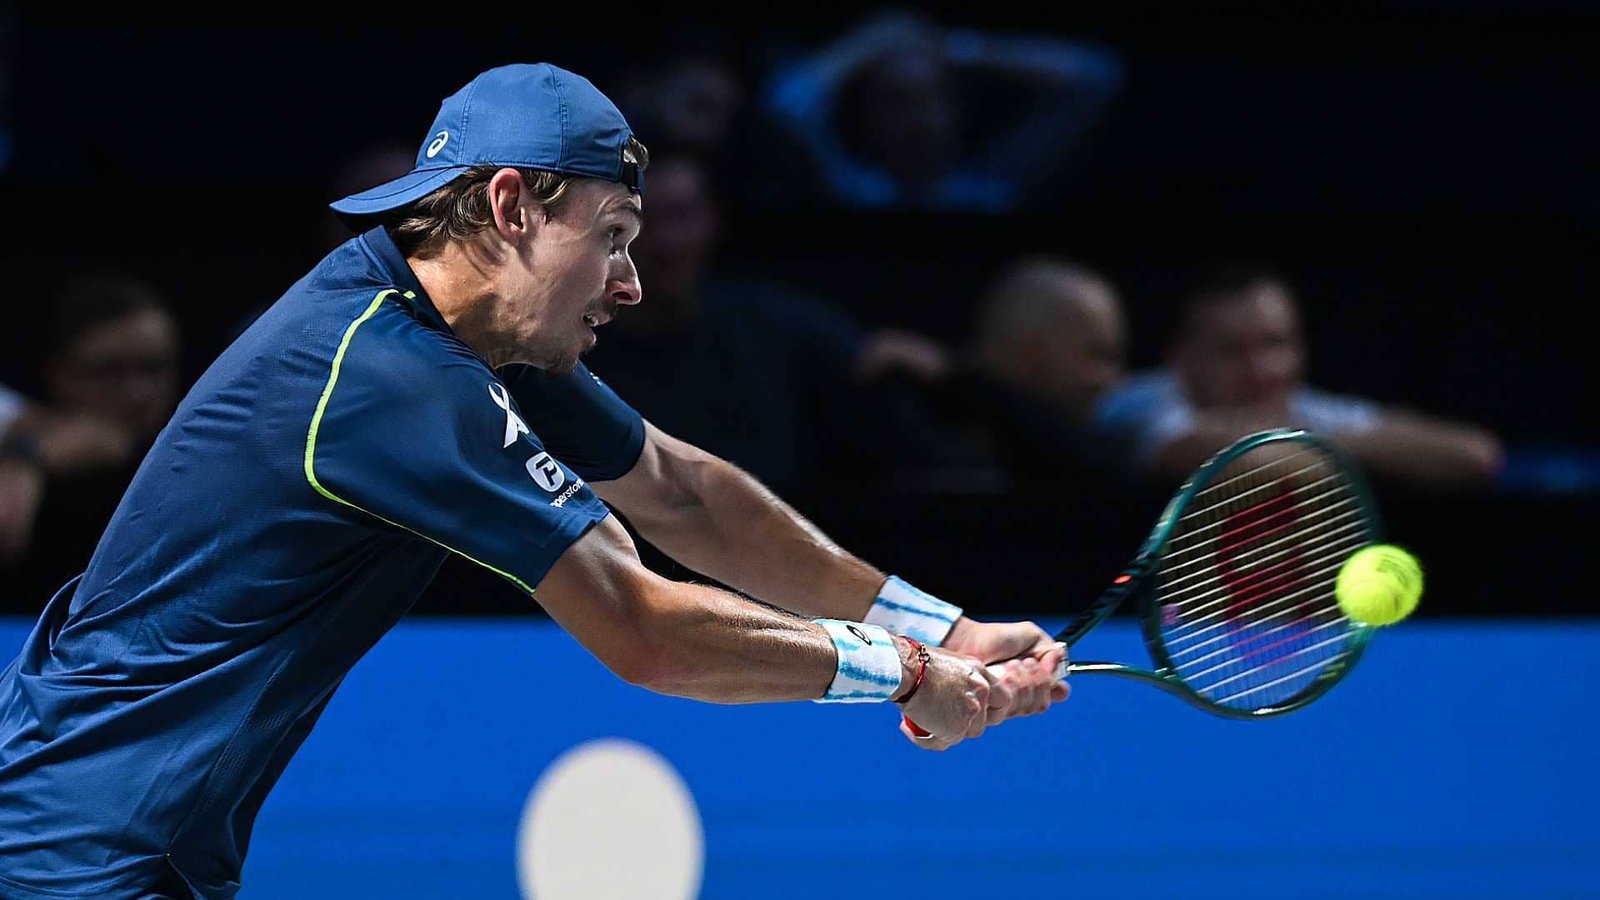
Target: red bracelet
(922, 672)
(922, 667)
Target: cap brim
(397, 193)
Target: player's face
(575, 273)
(1244, 351)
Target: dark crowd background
(1423, 174)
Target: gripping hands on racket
(1022, 656)
(1022, 679)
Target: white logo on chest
(514, 424)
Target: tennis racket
(1234, 585)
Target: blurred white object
(610, 818)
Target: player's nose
(624, 286)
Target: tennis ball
(1379, 584)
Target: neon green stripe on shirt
(316, 424)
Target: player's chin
(559, 362)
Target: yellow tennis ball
(1379, 584)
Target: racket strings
(1247, 611)
(1192, 603)
(1196, 569)
(1187, 641)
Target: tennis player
(418, 393)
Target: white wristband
(905, 610)
(869, 664)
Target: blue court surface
(1457, 760)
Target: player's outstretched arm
(702, 643)
(719, 521)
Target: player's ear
(508, 197)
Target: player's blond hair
(460, 209)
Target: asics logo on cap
(437, 144)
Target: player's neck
(461, 290)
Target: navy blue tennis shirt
(301, 498)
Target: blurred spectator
(1048, 341)
(58, 440)
(11, 406)
(21, 477)
(113, 353)
(1236, 365)
(903, 113)
(689, 98)
(21, 489)
(752, 370)
(1053, 329)
(111, 381)
(33, 442)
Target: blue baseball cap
(528, 115)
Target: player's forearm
(731, 528)
(698, 642)
(685, 639)
(715, 647)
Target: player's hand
(1034, 686)
(999, 641)
(955, 702)
(1008, 644)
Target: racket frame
(1138, 582)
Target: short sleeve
(425, 437)
(580, 419)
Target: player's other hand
(1033, 687)
(957, 700)
(997, 642)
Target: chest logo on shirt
(514, 424)
(546, 472)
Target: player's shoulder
(390, 346)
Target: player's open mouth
(594, 320)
